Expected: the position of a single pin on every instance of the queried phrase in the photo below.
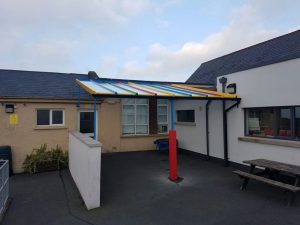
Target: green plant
(41, 157)
(57, 153)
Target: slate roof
(40, 85)
(47, 85)
(276, 50)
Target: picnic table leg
(246, 180)
(292, 198)
(296, 181)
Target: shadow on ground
(135, 190)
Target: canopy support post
(172, 114)
(95, 118)
(173, 176)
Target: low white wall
(85, 167)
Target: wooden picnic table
(271, 168)
(274, 165)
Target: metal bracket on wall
(238, 101)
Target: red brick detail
(152, 116)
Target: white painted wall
(85, 167)
(187, 134)
(193, 138)
(272, 85)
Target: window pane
(128, 129)
(186, 115)
(142, 119)
(162, 101)
(162, 110)
(57, 117)
(284, 123)
(141, 101)
(141, 129)
(128, 109)
(162, 128)
(162, 119)
(43, 117)
(141, 114)
(297, 122)
(86, 122)
(128, 101)
(142, 110)
(128, 119)
(260, 122)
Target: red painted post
(173, 155)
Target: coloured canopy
(123, 88)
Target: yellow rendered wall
(25, 136)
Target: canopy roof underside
(123, 88)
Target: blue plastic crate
(162, 144)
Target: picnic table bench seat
(292, 189)
(274, 183)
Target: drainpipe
(225, 134)
(207, 129)
(223, 81)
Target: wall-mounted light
(231, 88)
(9, 108)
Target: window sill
(50, 128)
(268, 141)
(144, 135)
(186, 123)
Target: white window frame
(78, 120)
(51, 118)
(135, 115)
(165, 123)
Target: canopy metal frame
(177, 95)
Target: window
(260, 122)
(162, 116)
(49, 117)
(284, 122)
(86, 122)
(186, 116)
(274, 122)
(297, 122)
(135, 116)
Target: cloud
(132, 50)
(69, 12)
(245, 29)
(48, 34)
(45, 55)
(135, 7)
(77, 35)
